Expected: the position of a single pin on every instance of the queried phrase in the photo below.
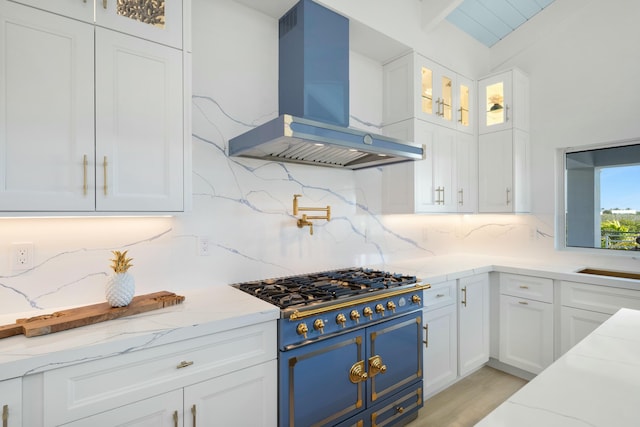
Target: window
(602, 198)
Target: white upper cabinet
(46, 112)
(441, 183)
(79, 137)
(159, 21)
(504, 102)
(81, 10)
(139, 151)
(415, 86)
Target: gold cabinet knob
(318, 325)
(416, 299)
(380, 309)
(391, 306)
(302, 330)
(341, 319)
(376, 366)
(355, 316)
(399, 409)
(357, 373)
(367, 312)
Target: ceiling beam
(435, 11)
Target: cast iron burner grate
(306, 289)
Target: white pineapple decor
(121, 286)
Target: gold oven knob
(302, 330)
(391, 306)
(380, 309)
(341, 319)
(416, 299)
(367, 312)
(318, 325)
(354, 315)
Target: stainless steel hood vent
(312, 127)
(293, 139)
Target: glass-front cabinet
(416, 87)
(504, 102)
(445, 97)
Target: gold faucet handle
(295, 203)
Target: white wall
(244, 206)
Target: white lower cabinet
(526, 333)
(440, 353)
(206, 379)
(473, 323)
(576, 324)
(586, 306)
(11, 402)
(526, 322)
(217, 402)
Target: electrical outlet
(21, 256)
(204, 248)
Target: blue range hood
(312, 127)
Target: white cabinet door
(243, 398)
(504, 102)
(503, 169)
(11, 402)
(440, 355)
(443, 182)
(466, 197)
(576, 324)
(139, 134)
(473, 323)
(526, 333)
(164, 410)
(76, 9)
(46, 111)
(159, 21)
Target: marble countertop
(223, 307)
(203, 312)
(442, 268)
(595, 384)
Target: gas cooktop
(297, 292)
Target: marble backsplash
(244, 206)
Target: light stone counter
(203, 312)
(595, 384)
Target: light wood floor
(469, 400)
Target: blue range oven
(350, 350)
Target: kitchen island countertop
(204, 311)
(594, 384)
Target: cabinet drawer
(88, 388)
(530, 287)
(440, 295)
(603, 299)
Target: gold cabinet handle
(464, 296)
(193, 413)
(523, 302)
(5, 416)
(524, 287)
(85, 163)
(508, 198)
(104, 4)
(357, 373)
(461, 198)
(106, 186)
(184, 364)
(175, 418)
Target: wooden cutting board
(88, 315)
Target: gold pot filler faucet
(305, 220)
